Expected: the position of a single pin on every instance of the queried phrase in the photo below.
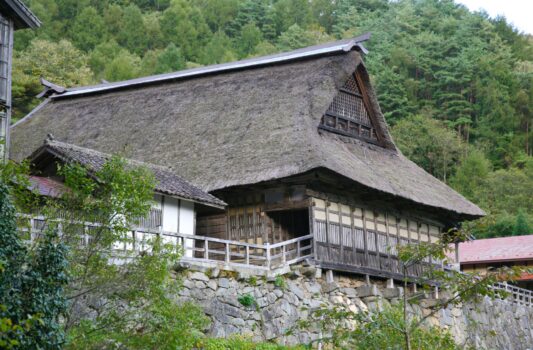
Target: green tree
(102, 55)
(124, 66)
(31, 285)
(249, 38)
(115, 197)
(295, 37)
(521, 226)
(218, 50)
(249, 11)
(185, 26)
(59, 62)
(83, 38)
(153, 30)
(169, 60)
(113, 18)
(132, 35)
(430, 144)
(219, 13)
(292, 12)
(471, 175)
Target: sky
(518, 12)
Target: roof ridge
(338, 46)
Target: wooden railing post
(32, 222)
(247, 258)
(85, 236)
(228, 260)
(206, 249)
(298, 253)
(283, 256)
(267, 248)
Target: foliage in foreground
(130, 304)
(240, 343)
(31, 284)
(377, 331)
(399, 326)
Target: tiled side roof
(167, 182)
(497, 249)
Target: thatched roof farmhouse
(295, 143)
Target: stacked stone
(276, 307)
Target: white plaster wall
(178, 217)
(186, 224)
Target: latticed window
(348, 115)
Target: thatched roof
(236, 126)
(167, 182)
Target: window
(348, 114)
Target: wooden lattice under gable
(349, 113)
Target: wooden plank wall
(357, 237)
(213, 225)
(247, 224)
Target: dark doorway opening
(288, 224)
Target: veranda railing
(227, 253)
(518, 295)
(196, 249)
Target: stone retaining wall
(281, 302)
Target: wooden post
(328, 249)
(398, 243)
(389, 259)
(312, 226)
(298, 249)
(32, 223)
(341, 232)
(376, 240)
(354, 236)
(247, 255)
(267, 248)
(365, 238)
(283, 257)
(206, 249)
(228, 259)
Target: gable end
(350, 113)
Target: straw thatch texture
(236, 128)
(166, 181)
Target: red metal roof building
(481, 254)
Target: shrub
(247, 300)
(280, 282)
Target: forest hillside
(456, 87)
